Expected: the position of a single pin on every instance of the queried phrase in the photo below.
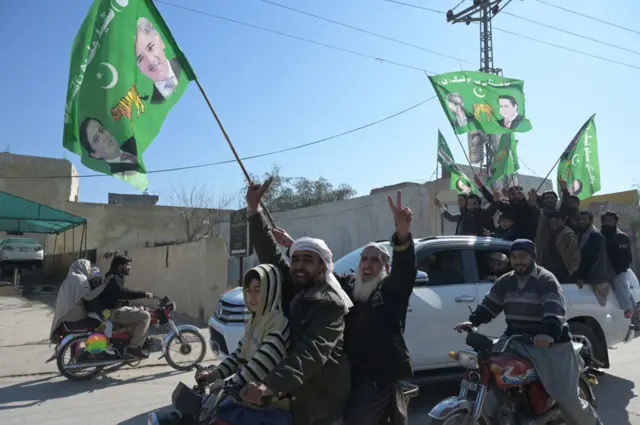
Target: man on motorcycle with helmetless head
(533, 304)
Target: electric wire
(584, 15)
(295, 37)
(229, 161)
(395, 40)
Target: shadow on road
(613, 395)
(34, 392)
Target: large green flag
(479, 101)
(579, 164)
(505, 161)
(459, 180)
(127, 72)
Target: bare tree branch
(202, 212)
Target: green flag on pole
(479, 101)
(505, 160)
(459, 180)
(579, 164)
(126, 74)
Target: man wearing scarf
(315, 372)
(374, 339)
(618, 248)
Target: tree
(201, 211)
(289, 193)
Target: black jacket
(524, 215)
(374, 335)
(506, 234)
(115, 292)
(618, 250)
(595, 266)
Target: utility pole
(482, 12)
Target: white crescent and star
(575, 160)
(479, 92)
(121, 3)
(114, 76)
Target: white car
(455, 286)
(20, 252)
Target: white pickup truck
(456, 285)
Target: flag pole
(549, 173)
(233, 149)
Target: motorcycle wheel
(459, 418)
(75, 374)
(192, 340)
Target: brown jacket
(567, 244)
(315, 371)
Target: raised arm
(403, 264)
(454, 218)
(259, 233)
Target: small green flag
(479, 101)
(127, 72)
(505, 160)
(579, 164)
(459, 180)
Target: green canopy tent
(19, 215)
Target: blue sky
(274, 92)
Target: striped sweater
(532, 305)
(266, 337)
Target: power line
(589, 17)
(295, 37)
(418, 7)
(384, 37)
(566, 48)
(229, 161)
(615, 46)
(580, 52)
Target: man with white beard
(373, 339)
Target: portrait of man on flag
(152, 61)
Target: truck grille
(231, 313)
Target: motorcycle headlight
(467, 359)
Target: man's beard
(362, 290)
(608, 230)
(526, 272)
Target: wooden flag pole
(233, 149)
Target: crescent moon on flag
(481, 91)
(121, 3)
(114, 74)
(575, 160)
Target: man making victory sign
(374, 340)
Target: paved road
(125, 397)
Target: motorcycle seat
(86, 324)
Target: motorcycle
(191, 407)
(86, 362)
(522, 398)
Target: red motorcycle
(521, 397)
(77, 363)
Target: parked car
(456, 280)
(20, 252)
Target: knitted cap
(523, 245)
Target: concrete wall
(43, 190)
(194, 275)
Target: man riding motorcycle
(533, 303)
(115, 297)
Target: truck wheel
(598, 348)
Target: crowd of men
(567, 242)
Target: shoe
(136, 353)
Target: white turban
(320, 247)
(380, 248)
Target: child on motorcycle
(263, 346)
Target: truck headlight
(467, 358)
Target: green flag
(459, 180)
(478, 101)
(126, 73)
(579, 164)
(505, 160)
